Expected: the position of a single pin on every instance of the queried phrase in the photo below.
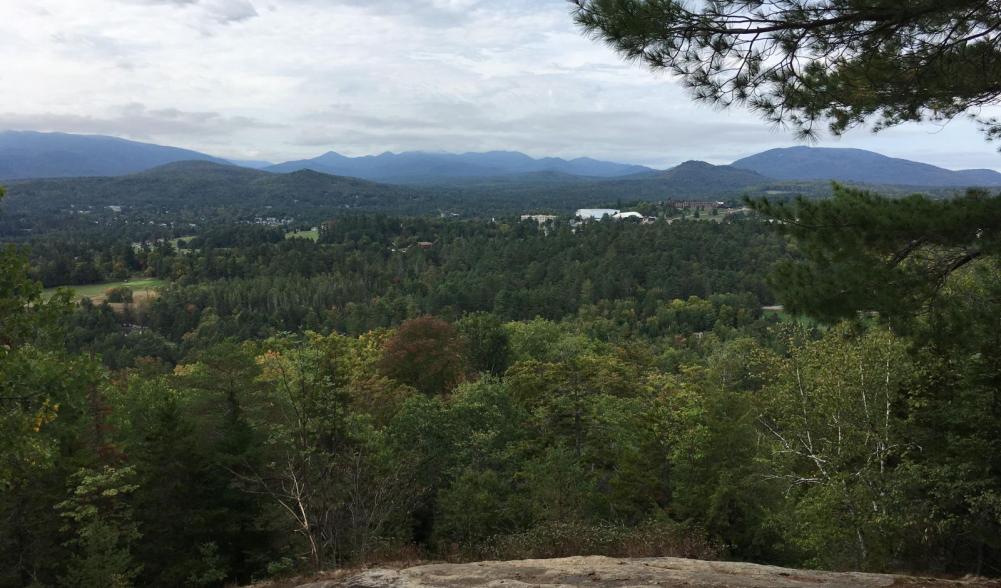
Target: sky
(290, 79)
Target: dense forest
(257, 376)
(419, 387)
(191, 196)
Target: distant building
(596, 213)
(625, 215)
(704, 204)
(425, 244)
(539, 218)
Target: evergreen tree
(804, 62)
(862, 252)
(101, 520)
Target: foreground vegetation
(509, 391)
(470, 390)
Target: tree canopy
(804, 62)
(862, 251)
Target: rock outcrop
(600, 572)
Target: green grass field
(312, 235)
(96, 291)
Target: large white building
(587, 214)
(596, 213)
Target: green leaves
(103, 529)
(801, 63)
(860, 252)
(832, 421)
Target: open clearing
(312, 235)
(142, 289)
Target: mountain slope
(701, 176)
(251, 163)
(420, 166)
(196, 191)
(194, 185)
(29, 154)
(858, 165)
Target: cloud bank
(286, 79)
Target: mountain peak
(858, 165)
(431, 166)
(695, 163)
(697, 175)
(32, 154)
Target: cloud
(431, 13)
(176, 2)
(229, 11)
(218, 11)
(623, 135)
(137, 122)
(93, 45)
(287, 79)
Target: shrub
(118, 294)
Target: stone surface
(599, 572)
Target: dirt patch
(601, 572)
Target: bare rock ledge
(600, 572)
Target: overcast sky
(287, 79)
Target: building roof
(596, 212)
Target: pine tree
(803, 62)
(862, 252)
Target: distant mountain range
(193, 191)
(27, 154)
(857, 165)
(696, 175)
(252, 163)
(205, 185)
(420, 166)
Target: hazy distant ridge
(416, 165)
(28, 154)
(858, 165)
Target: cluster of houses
(587, 214)
(698, 204)
(592, 214)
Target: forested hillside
(857, 165)
(216, 376)
(184, 196)
(418, 387)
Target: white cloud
(283, 79)
(220, 11)
(228, 11)
(137, 122)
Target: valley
(344, 293)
